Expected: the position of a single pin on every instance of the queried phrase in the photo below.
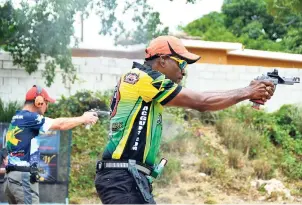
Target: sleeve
(160, 89)
(47, 124)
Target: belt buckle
(99, 165)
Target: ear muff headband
(39, 100)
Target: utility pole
(82, 27)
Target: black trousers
(119, 187)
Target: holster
(139, 181)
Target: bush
(236, 135)
(282, 128)
(8, 111)
(235, 159)
(210, 166)
(263, 169)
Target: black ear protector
(39, 100)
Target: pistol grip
(257, 103)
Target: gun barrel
(102, 113)
(290, 81)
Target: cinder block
(104, 61)
(124, 63)
(20, 74)
(5, 89)
(225, 68)
(252, 69)
(112, 63)
(246, 76)
(79, 61)
(5, 56)
(92, 65)
(232, 76)
(9, 65)
(239, 69)
(291, 72)
(11, 82)
(115, 70)
(205, 75)
(5, 73)
(219, 76)
(213, 67)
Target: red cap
(36, 91)
(170, 45)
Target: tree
(43, 29)
(254, 23)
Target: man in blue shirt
(21, 185)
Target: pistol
(275, 79)
(100, 114)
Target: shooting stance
(22, 175)
(129, 159)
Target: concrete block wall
(207, 77)
(102, 74)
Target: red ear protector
(39, 100)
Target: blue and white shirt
(22, 146)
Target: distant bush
(237, 135)
(263, 169)
(211, 165)
(7, 111)
(236, 159)
(239, 126)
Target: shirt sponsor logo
(18, 117)
(159, 119)
(131, 78)
(141, 123)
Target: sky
(172, 14)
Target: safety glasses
(181, 63)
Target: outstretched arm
(218, 100)
(64, 123)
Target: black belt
(21, 169)
(121, 165)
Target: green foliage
(41, 31)
(33, 32)
(257, 24)
(238, 136)
(146, 22)
(8, 111)
(211, 166)
(170, 173)
(87, 145)
(235, 159)
(282, 128)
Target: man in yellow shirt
(136, 118)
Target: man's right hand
(90, 118)
(261, 90)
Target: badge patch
(116, 126)
(131, 78)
